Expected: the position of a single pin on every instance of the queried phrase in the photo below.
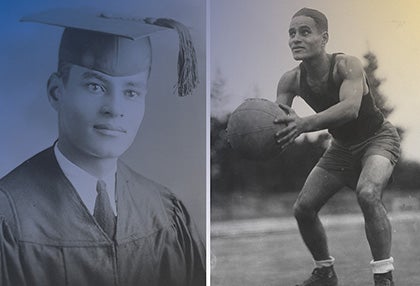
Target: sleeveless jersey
(366, 124)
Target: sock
(324, 263)
(382, 266)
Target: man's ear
(325, 38)
(54, 89)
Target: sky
(171, 145)
(249, 50)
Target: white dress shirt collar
(84, 183)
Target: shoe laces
(317, 273)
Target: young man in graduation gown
(76, 215)
(363, 152)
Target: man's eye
(95, 88)
(305, 33)
(132, 93)
(292, 34)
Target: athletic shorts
(345, 161)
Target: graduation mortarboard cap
(113, 44)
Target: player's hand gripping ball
(251, 129)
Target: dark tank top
(355, 131)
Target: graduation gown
(48, 236)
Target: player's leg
(317, 190)
(380, 154)
(319, 187)
(373, 179)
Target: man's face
(99, 115)
(305, 39)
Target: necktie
(103, 212)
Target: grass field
(257, 256)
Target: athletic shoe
(324, 276)
(383, 279)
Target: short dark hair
(63, 70)
(319, 18)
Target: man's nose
(113, 105)
(296, 38)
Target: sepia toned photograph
(314, 143)
(103, 153)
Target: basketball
(250, 129)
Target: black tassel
(187, 60)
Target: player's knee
(369, 195)
(303, 211)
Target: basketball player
(363, 151)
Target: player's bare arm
(287, 87)
(286, 91)
(348, 69)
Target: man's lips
(109, 129)
(297, 48)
